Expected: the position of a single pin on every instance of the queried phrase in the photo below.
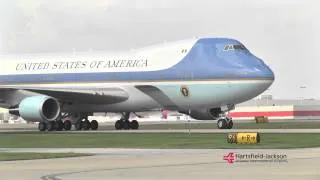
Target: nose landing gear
(224, 123)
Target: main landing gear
(54, 126)
(124, 122)
(85, 124)
(225, 123)
(65, 122)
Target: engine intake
(38, 108)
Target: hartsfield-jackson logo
(231, 158)
(184, 91)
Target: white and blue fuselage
(197, 73)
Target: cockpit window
(239, 47)
(232, 47)
(226, 48)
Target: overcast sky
(284, 33)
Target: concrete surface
(175, 164)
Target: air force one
(201, 77)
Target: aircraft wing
(88, 96)
(156, 94)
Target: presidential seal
(185, 91)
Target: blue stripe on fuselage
(206, 60)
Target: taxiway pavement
(156, 164)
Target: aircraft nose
(254, 67)
(264, 70)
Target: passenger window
(184, 51)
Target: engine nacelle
(38, 108)
(203, 114)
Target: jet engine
(37, 108)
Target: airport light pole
(301, 97)
(189, 121)
(268, 96)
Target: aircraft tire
(78, 126)
(67, 125)
(230, 124)
(134, 124)
(94, 125)
(118, 125)
(222, 124)
(126, 125)
(59, 125)
(42, 126)
(51, 125)
(86, 125)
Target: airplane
(204, 77)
